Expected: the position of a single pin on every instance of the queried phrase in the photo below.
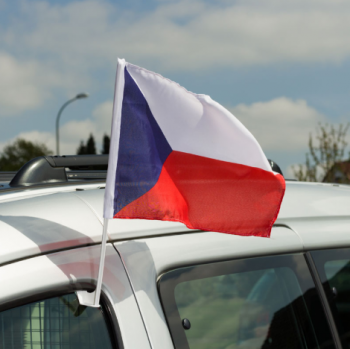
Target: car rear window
(268, 302)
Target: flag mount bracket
(92, 299)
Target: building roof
(339, 173)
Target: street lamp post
(78, 96)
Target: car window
(55, 323)
(333, 267)
(268, 303)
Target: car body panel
(304, 199)
(121, 229)
(41, 228)
(146, 259)
(72, 270)
(38, 221)
(41, 224)
(322, 232)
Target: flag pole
(92, 299)
(102, 263)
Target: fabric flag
(179, 156)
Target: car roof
(39, 221)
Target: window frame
(313, 276)
(106, 305)
(314, 258)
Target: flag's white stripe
(196, 124)
(115, 136)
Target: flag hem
(108, 211)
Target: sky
(281, 67)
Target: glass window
(333, 267)
(55, 323)
(268, 303)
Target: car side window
(333, 267)
(268, 303)
(55, 323)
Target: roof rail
(52, 169)
(275, 167)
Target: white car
(165, 286)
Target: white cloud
(289, 173)
(187, 34)
(103, 116)
(27, 84)
(72, 132)
(281, 124)
(19, 88)
(48, 46)
(38, 137)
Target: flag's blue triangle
(142, 147)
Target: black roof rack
(58, 170)
(52, 169)
(275, 167)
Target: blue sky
(280, 66)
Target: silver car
(165, 286)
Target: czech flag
(180, 156)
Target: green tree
(15, 155)
(105, 144)
(326, 155)
(81, 149)
(88, 148)
(90, 145)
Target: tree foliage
(15, 155)
(105, 144)
(88, 148)
(81, 149)
(327, 151)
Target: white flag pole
(92, 299)
(102, 263)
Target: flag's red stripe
(211, 195)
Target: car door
(207, 290)
(268, 302)
(39, 308)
